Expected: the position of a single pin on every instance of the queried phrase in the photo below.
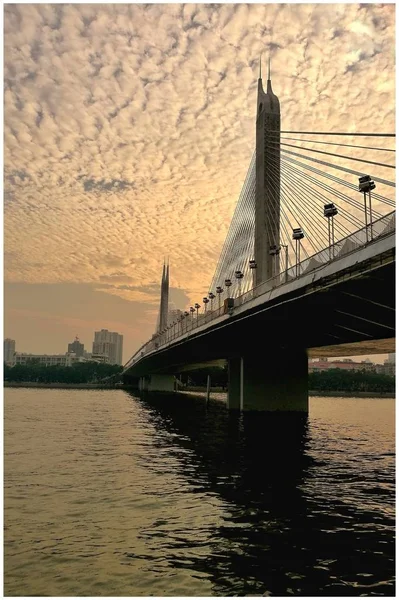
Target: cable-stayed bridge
(307, 268)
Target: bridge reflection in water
(302, 510)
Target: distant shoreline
(215, 390)
(78, 386)
(326, 393)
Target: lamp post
(211, 296)
(330, 210)
(286, 261)
(197, 306)
(253, 265)
(365, 186)
(227, 283)
(205, 301)
(192, 311)
(186, 314)
(219, 291)
(297, 235)
(275, 251)
(239, 275)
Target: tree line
(80, 372)
(338, 380)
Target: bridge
(307, 269)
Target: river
(106, 494)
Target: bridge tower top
(267, 101)
(164, 304)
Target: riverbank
(321, 393)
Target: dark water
(110, 495)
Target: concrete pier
(234, 383)
(143, 384)
(269, 382)
(161, 383)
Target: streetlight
(211, 296)
(286, 261)
(253, 265)
(197, 306)
(219, 291)
(192, 310)
(205, 301)
(239, 275)
(365, 186)
(227, 283)
(330, 210)
(275, 251)
(186, 314)
(297, 235)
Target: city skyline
(120, 149)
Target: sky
(128, 131)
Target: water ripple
(110, 495)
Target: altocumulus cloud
(129, 128)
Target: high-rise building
(108, 343)
(76, 347)
(389, 366)
(9, 352)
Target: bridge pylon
(164, 304)
(267, 199)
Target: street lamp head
(297, 234)
(366, 184)
(239, 274)
(274, 250)
(211, 295)
(196, 305)
(227, 282)
(219, 290)
(186, 313)
(330, 210)
(192, 309)
(252, 264)
(205, 300)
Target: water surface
(110, 495)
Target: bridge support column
(270, 382)
(143, 384)
(161, 383)
(234, 383)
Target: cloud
(129, 128)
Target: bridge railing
(360, 238)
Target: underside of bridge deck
(350, 311)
